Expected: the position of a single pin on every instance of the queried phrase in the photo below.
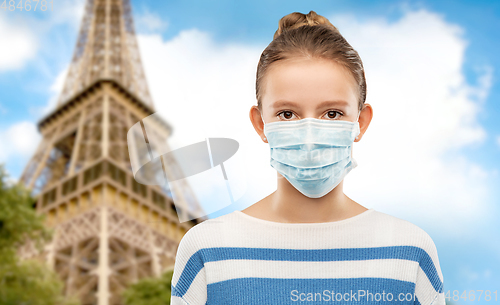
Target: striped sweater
(371, 258)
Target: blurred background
(430, 156)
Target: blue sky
(432, 72)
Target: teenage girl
(308, 242)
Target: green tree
(27, 282)
(149, 291)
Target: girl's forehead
(309, 82)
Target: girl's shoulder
(208, 233)
(393, 230)
(211, 226)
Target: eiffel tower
(110, 230)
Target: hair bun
(296, 20)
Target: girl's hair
(310, 36)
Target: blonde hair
(312, 36)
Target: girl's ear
(365, 117)
(258, 124)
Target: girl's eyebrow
(332, 103)
(282, 103)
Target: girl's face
(308, 88)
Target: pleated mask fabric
(314, 155)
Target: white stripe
(403, 270)
(197, 291)
(177, 301)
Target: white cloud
(410, 163)
(148, 22)
(21, 33)
(19, 44)
(18, 140)
(498, 140)
(68, 12)
(55, 90)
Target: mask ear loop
(357, 121)
(264, 138)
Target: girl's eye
(286, 115)
(332, 115)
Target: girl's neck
(288, 205)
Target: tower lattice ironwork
(109, 230)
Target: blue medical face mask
(314, 155)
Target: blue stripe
(259, 291)
(197, 260)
